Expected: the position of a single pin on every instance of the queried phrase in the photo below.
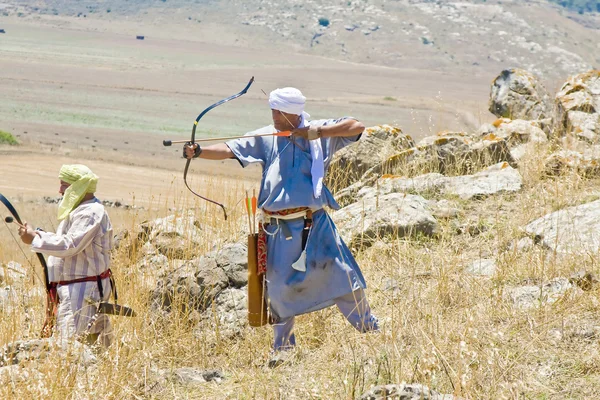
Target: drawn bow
(192, 141)
(51, 300)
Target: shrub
(323, 21)
(7, 138)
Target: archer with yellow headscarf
(78, 257)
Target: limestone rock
(230, 312)
(529, 296)
(584, 163)
(394, 214)
(498, 178)
(444, 209)
(578, 107)
(197, 283)
(30, 350)
(376, 144)
(483, 267)
(11, 272)
(519, 131)
(414, 391)
(175, 234)
(495, 179)
(191, 376)
(517, 94)
(570, 230)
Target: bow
(51, 295)
(40, 256)
(187, 164)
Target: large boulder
(394, 214)
(453, 154)
(517, 94)
(574, 230)
(518, 131)
(376, 144)
(578, 107)
(197, 283)
(498, 178)
(175, 236)
(585, 162)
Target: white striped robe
(80, 248)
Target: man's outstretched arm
(345, 128)
(219, 151)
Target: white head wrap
(290, 100)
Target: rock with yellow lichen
(578, 107)
(517, 94)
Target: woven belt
(280, 219)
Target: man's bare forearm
(219, 151)
(348, 127)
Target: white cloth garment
(77, 309)
(81, 245)
(80, 248)
(290, 100)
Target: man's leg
(76, 312)
(65, 318)
(284, 335)
(355, 308)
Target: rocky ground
(491, 234)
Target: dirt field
(105, 99)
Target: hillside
(471, 37)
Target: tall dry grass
(441, 327)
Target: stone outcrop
(517, 94)
(377, 144)
(573, 230)
(495, 179)
(413, 391)
(518, 131)
(445, 153)
(173, 236)
(585, 162)
(395, 214)
(578, 107)
(199, 282)
(528, 296)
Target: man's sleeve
(250, 150)
(84, 227)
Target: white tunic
(79, 248)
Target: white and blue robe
(331, 270)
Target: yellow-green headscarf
(82, 181)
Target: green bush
(581, 6)
(323, 21)
(7, 138)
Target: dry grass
(441, 327)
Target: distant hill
(553, 38)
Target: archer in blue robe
(332, 275)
